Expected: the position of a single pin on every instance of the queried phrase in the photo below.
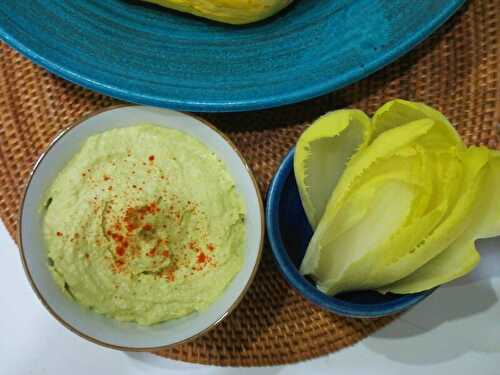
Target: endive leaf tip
(333, 136)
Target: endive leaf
(348, 259)
(381, 147)
(461, 256)
(405, 212)
(322, 153)
(324, 241)
(399, 264)
(399, 112)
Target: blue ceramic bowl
(146, 54)
(289, 233)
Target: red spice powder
(151, 158)
(120, 251)
(170, 276)
(131, 227)
(153, 208)
(125, 231)
(119, 263)
(201, 258)
(121, 243)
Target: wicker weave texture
(456, 70)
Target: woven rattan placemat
(456, 70)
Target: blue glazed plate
(146, 54)
(289, 233)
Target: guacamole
(144, 224)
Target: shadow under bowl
(289, 234)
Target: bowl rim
(49, 308)
(297, 281)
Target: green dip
(144, 224)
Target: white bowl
(100, 329)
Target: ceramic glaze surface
(147, 54)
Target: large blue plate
(150, 55)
